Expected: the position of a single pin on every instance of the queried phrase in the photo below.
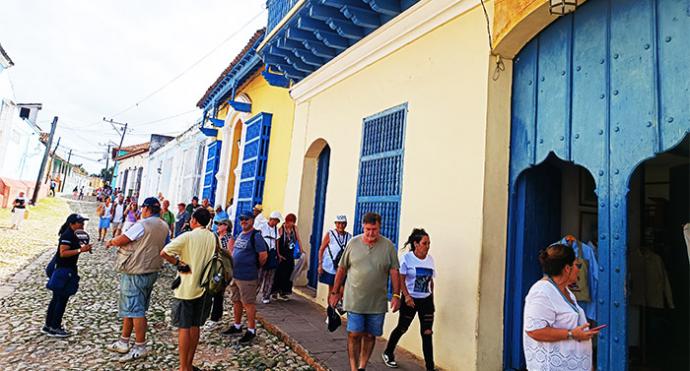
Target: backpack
(217, 273)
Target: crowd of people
(265, 255)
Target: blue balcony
(320, 30)
(277, 10)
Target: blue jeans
(368, 323)
(56, 310)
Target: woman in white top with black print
(417, 272)
(332, 248)
(556, 332)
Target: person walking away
(138, 262)
(75, 193)
(63, 274)
(131, 216)
(18, 210)
(269, 231)
(104, 211)
(191, 304)
(226, 242)
(417, 273)
(81, 193)
(331, 251)
(53, 185)
(248, 254)
(556, 331)
(168, 216)
(369, 261)
(118, 216)
(259, 218)
(288, 243)
(181, 220)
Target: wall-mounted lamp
(562, 7)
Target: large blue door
(212, 164)
(605, 88)
(254, 162)
(319, 208)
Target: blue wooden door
(212, 164)
(603, 88)
(254, 162)
(535, 215)
(319, 208)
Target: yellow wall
(275, 100)
(443, 78)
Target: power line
(233, 34)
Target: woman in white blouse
(556, 332)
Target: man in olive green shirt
(368, 262)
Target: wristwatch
(570, 335)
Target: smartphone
(599, 328)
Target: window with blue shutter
(212, 164)
(379, 185)
(254, 161)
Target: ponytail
(63, 228)
(416, 236)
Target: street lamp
(562, 7)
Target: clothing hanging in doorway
(589, 255)
(649, 284)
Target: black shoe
(247, 337)
(389, 360)
(46, 330)
(59, 333)
(232, 331)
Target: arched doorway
(658, 282)
(313, 202)
(599, 88)
(547, 202)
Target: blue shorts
(104, 223)
(327, 278)
(369, 323)
(135, 294)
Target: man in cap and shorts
(138, 261)
(248, 254)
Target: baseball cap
(341, 218)
(276, 215)
(151, 201)
(246, 215)
(76, 218)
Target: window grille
(379, 186)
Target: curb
(292, 343)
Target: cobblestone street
(91, 317)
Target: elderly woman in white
(556, 332)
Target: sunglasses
(243, 219)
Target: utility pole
(64, 178)
(122, 139)
(107, 161)
(37, 187)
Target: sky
(146, 63)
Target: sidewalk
(301, 324)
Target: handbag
(64, 281)
(52, 265)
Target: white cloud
(88, 59)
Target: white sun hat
(341, 218)
(276, 215)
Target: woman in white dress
(556, 332)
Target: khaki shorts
(244, 291)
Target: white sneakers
(118, 347)
(134, 354)
(210, 325)
(137, 352)
(266, 301)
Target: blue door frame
(319, 209)
(601, 88)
